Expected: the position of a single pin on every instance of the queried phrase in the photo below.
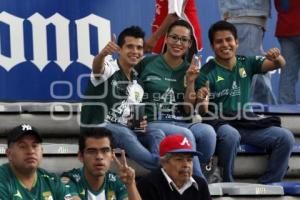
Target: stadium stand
(59, 125)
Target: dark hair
(221, 26)
(95, 132)
(183, 23)
(193, 49)
(134, 31)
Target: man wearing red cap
(174, 180)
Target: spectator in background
(288, 34)
(165, 82)
(21, 177)
(94, 180)
(168, 11)
(111, 90)
(250, 19)
(174, 180)
(229, 77)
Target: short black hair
(95, 132)
(221, 26)
(183, 23)
(133, 31)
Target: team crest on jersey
(220, 78)
(261, 58)
(242, 72)
(47, 196)
(111, 195)
(18, 194)
(77, 177)
(112, 177)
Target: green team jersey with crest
(47, 186)
(164, 88)
(112, 187)
(230, 89)
(108, 101)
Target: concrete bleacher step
(247, 166)
(52, 119)
(59, 125)
(249, 189)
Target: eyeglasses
(95, 152)
(176, 38)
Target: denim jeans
(140, 147)
(250, 44)
(202, 137)
(290, 49)
(277, 141)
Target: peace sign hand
(126, 173)
(194, 70)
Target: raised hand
(126, 173)
(202, 98)
(149, 44)
(203, 92)
(193, 71)
(110, 47)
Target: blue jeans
(202, 137)
(277, 141)
(290, 49)
(250, 44)
(135, 144)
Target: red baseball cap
(176, 144)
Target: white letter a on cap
(185, 141)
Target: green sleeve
(4, 193)
(121, 190)
(93, 107)
(71, 186)
(62, 190)
(256, 64)
(200, 81)
(4, 185)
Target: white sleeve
(176, 6)
(110, 67)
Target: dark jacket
(154, 186)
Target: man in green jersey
(94, 181)
(110, 92)
(226, 80)
(20, 177)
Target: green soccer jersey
(164, 88)
(47, 186)
(230, 89)
(108, 101)
(112, 188)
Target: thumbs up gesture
(111, 47)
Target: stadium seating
(59, 125)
